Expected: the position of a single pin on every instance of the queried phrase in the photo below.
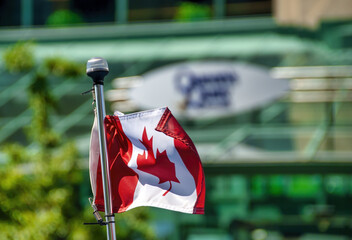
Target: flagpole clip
(88, 91)
(93, 94)
(96, 214)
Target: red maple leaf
(159, 166)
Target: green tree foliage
(39, 193)
(63, 68)
(41, 183)
(41, 102)
(63, 18)
(19, 57)
(190, 11)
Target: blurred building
(311, 13)
(278, 171)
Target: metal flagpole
(97, 69)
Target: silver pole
(97, 69)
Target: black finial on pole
(97, 69)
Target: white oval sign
(208, 89)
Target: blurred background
(277, 168)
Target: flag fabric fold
(153, 162)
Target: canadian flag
(153, 162)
